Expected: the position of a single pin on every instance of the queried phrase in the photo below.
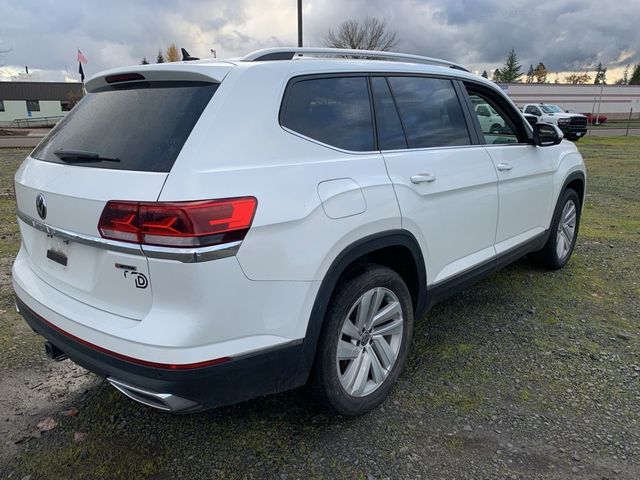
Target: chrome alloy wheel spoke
(566, 230)
(369, 341)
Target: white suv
(201, 233)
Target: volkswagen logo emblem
(41, 206)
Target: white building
(617, 100)
(26, 101)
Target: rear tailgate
(118, 143)
(67, 256)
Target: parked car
(591, 118)
(201, 233)
(573, 125)
(489, 119)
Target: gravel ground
(529, 374)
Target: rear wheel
(364, 343)
(564, 232)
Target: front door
(525, 173)
(446, 187)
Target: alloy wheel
(369, 341)
(566, 229)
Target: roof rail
(285, 53)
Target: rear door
(118, 143)
(445, 185)
(525, 172)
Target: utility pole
(300, 23)
(599, 102)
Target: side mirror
(546, 135)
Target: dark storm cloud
(564, 34)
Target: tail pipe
(53, 352)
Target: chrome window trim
(184, 255)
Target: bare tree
(371, 34)
(578, 78)
(171, 54)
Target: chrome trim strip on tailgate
(184, 255)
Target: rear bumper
(238, 379)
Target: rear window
(335, 111)
(139, 127)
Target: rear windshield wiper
(71, 156)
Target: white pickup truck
(489, 119)
(573, 125)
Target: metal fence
(35, 122)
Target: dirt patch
(27, 395)
(13, 133)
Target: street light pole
(300, 23)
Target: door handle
(423, 178)
(504, 167)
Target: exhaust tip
(53, 352)
(162, 401)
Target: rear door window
(335, 111)
(138, 127)
(390, 133)
(430, 111)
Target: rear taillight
(178, 224)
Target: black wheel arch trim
(358, 249)
(577, 175)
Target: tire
(359, 381)
(552, 255)
(495, 129)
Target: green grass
(17, 345)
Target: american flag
(81, 59)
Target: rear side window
(143, 126)
(430, 111)
(335, 111)
(390, 132)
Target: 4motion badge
(130, 271)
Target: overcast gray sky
(566, 35)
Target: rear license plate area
(58, 251)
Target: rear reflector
(178, 224)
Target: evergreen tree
(512, 70)
(635, 76)
(497, 76)
(144, 61)
(485, 74)
(625, 76)
(160, 58)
